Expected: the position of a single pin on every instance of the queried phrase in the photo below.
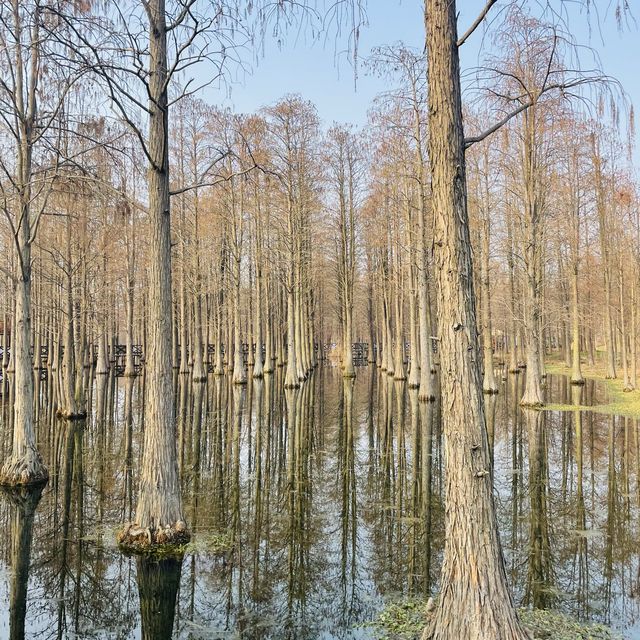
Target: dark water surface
(309, 508)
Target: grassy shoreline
(620, 402)
(406, 619)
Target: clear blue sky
(311, 68)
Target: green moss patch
(621, 402)
(401, 620)
(217, 543)
(553, 625)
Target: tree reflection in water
(23, 502)
(311, 506)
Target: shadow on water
(311, 507)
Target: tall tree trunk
(398, 358)
(69, 410)
(426, 391)
(184, 329)
(199, 373)
(513, 337)
(606, 265)
(291, 380)
(489, 384)
(532, 249)
(239, 373)
(300, 364)
(25, 465)
(159, 516)
(348, 370)
(576, 371)
(626, 386)
(634, 336)
(268, 339)
(414, 364)
(258, 367)
(129, 369)
(475, 602)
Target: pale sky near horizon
(310, 68)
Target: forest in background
(214, 242)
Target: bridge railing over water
(117, 355)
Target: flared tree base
(23, 471)
(133, 538)
(492, 391)
(25, 498)
(495, 625)
(63, 414)
(531, 404)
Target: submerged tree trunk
(70, 410)
(159, 516)
(513, 336)
(239, 374)
(268, 338)
(634, 337)
(291, 380)
(626, 385)
(475, 602)
(258, 367)
(414, 363)
(25, 465)
(603, 230)
(199, 373)
(129, 368)
(347, 362)
(576, 371)
(489, 384)
(130, 238)
(532, 254)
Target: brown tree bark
(603, 230)
(159, 515)
(24, 466)
(475, 602)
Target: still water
(310, 508)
